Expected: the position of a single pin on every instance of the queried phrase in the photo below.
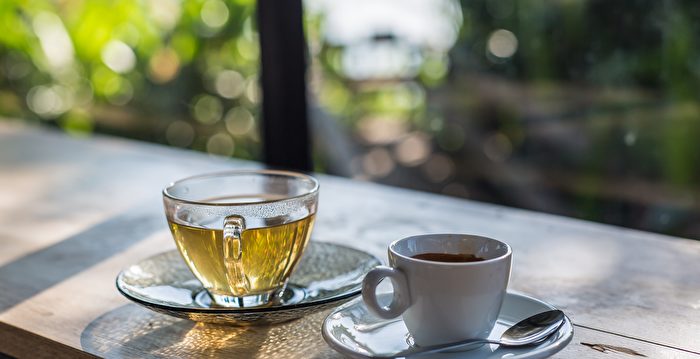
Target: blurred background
(584, 108)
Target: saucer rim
(547, 351)
(202, 310)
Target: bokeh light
(381, 130)
(252, 90)
(48, 101)
(229, 84)
(239, 121)
(54, 39)
(214, 13)
(118, 56)
(164, 65)
(413, 150)
(249, 49)
(165, 13)
(439, 168)
(502, 44)
(221, 144)
(377, 162)
(207, 109)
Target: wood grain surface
(73, 212)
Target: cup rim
(231, 173)
(508, 253)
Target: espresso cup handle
(401, 300)
(233, 249)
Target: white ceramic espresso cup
(443, 302)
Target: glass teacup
(242, 232)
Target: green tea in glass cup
(242, 232)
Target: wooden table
(73, 212)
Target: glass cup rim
(248, 172)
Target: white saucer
(353, 331)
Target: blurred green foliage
(135, 68)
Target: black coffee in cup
(448, 257)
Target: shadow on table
(29, 275)
(132, 331)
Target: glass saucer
(327, 275)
